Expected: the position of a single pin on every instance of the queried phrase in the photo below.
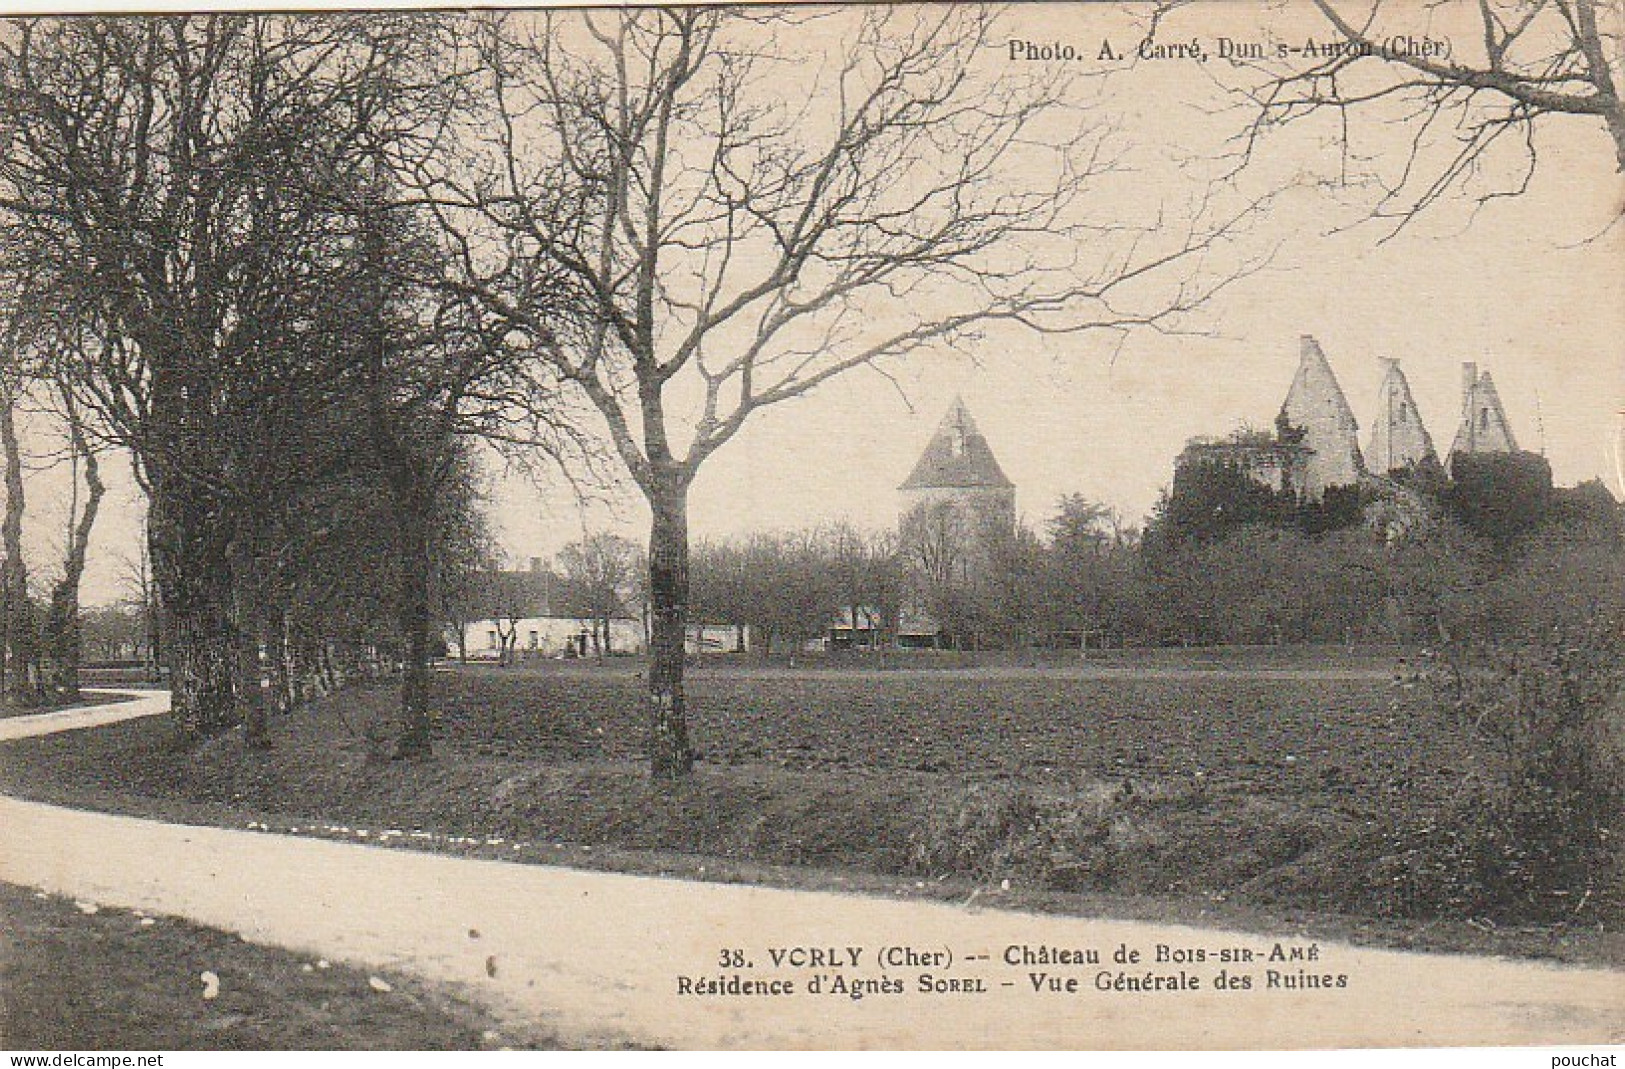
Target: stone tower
(958, 469)
(1484, 427)
(956, 506)
(1398, 437)
(1315, 405)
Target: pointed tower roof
(1316, 404)
(956, 456)
(1398, 435)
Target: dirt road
(139, 703)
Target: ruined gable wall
(1316, 404)
(1399, 438)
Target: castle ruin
(1316, 445)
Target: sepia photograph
(894, 526)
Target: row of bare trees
(194, 222)
(955, 581)
(1263, 576)
(792, 587)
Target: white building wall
(543, 636)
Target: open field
(1243, 795)
(87, 979)
(1353, 737)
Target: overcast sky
(1525, 287)
(1530, 288)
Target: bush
(1262, 585)
(1518, 852)
(986, 832)
(1501, 497)
(1536, 662)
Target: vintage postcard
(917, 526)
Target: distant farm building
(534, 637)
(718, 638)
(540, 636)
(858, 628)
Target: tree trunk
(192, 575)
(153, 620)
(274, 637)
(670, 757)
(414, 616)
(5, 629)
(300, 671)
(61, 642)
(23, 682)
(247, 681)
(343, 663)
(327, 676)
(62, 639)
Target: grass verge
(72, 979)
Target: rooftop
(957, 456)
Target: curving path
(602, 957)
(137, 703)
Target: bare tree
(784, 587)
(433, 376)
(1515, 66)
(737, 219)
(850, 565)
(466, 551)
(938, 543)
(134, 161)
(21, 654)
(61, 640)
(135, 579)
(41, 649)
(599, 581)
